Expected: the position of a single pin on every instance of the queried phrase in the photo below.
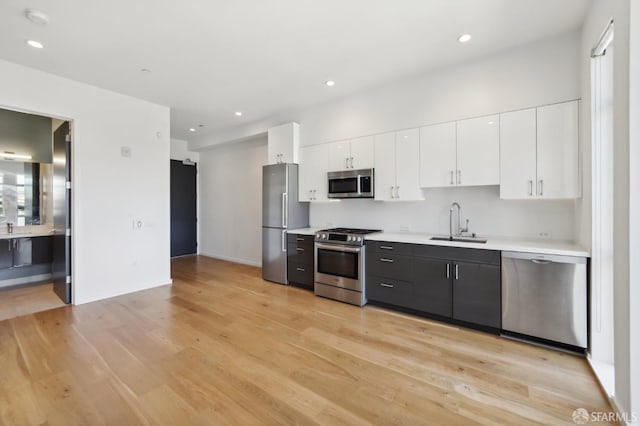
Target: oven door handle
(338, 248)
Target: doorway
(35, 213)
(184, 222)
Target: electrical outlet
(404, 228)
(544, 234)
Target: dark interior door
(183, 209)
(61, 267)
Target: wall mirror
(24, 193)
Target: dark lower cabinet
(6, 254)
(300, 263)
(25, 251)
(456, 283)
(432, 287)
(394, 292)
(477, 294)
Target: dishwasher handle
(542, 259)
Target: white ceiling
(210, 58)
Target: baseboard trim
(232, 259)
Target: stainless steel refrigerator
(281, 211)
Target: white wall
(634, 206)
(109, 191)
(600, 13)
(179, 150)
(487, 214)
(230, 181)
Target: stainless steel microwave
(351, 184)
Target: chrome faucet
(459, 228)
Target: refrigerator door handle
(284, 209)
(284, 239)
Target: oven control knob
(349, 238)
(359, 239)
(324, 236)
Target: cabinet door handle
(459, 177)
(384, 259)
(386, 285)
(299, 249)
(397, 192)
(392, 192)
(300, 269)
(448, 270)
(299, 239)
(352, 162)
(456, 271)
(541, 187)
(386, 247)
(530, 188)
(346, 162)
(451, 177)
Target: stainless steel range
(339, 263)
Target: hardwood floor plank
(222, 346)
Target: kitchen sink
(460, 239)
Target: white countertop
(303, 231)
(503, 244)
(27, 234)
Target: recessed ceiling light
(35, 44)
(192, 129)
(238, 113)
(330, 83)
(463, 38)
(36, 16)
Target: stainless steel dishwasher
(545, 296)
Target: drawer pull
(299, 239)
(386, 285)
(386, 247)
(300, 269)
(383, 259)
(299, 249)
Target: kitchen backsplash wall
(488, 215)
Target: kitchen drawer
(475, 255)
(389, 247)
(389, 265)
(300, 254)
(300, 273)
(393, 292)
(300, 240)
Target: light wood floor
(221, 346)
(30, 299)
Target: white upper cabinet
(408, 165)
(351, 154)
(558, 172)
(362, 150)
(478, 151)
(518, 154)
(283, 144)
(397, 162)
(438, 155)
(539, 152)
(385, 166)
(461, 153)
(312, 180)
